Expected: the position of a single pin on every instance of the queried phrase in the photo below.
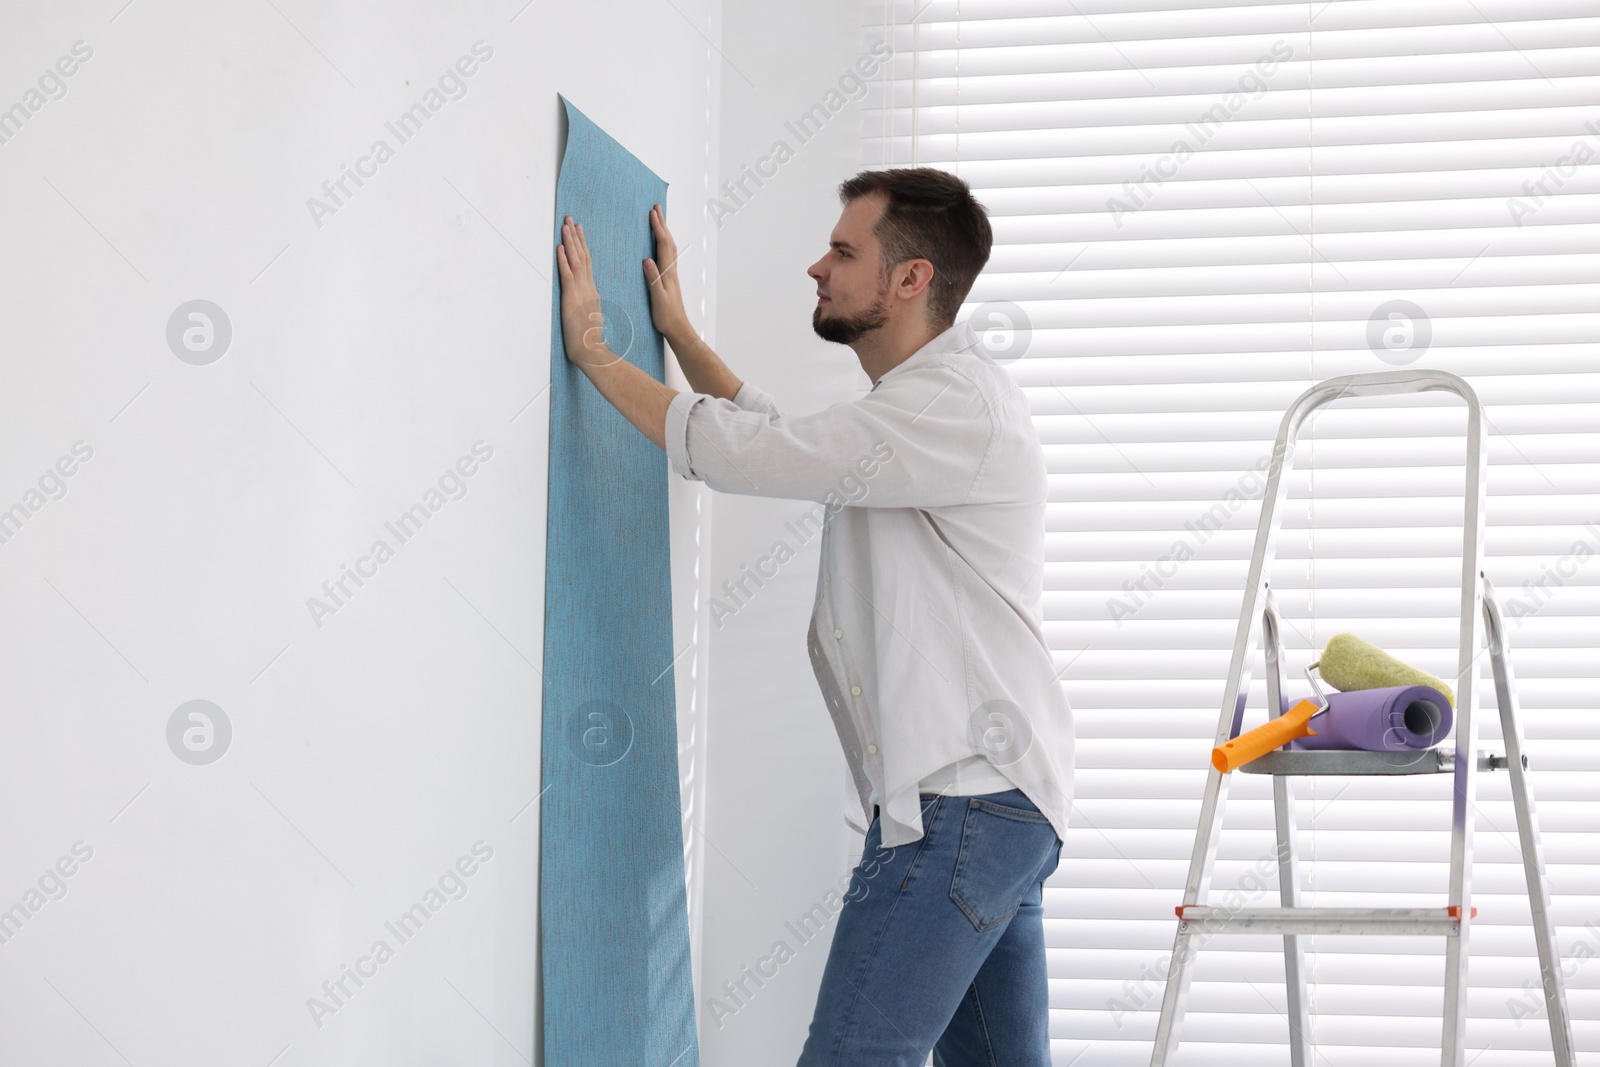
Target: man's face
(853, 295)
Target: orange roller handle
(1273, 734)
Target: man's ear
(913, 277)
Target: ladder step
(1402, 921)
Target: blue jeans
(940, 944)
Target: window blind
(1200, 210)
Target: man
(926, 634)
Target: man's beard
(845, 329)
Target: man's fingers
(658, 220)
(576, 250)
(574, 232)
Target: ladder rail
(1294, 951)
(1544, 933)
(1453, 1038)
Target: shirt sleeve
(752, 398)
(919, 439)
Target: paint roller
(1385, 706)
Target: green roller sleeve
(1352, 663)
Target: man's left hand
(581, 322)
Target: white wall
(367, 355)
(776, 773)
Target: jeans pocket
(1003, 852)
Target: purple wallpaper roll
(1396, 719)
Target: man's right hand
(666, 297)
(701, 368)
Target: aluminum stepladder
(1258, 620)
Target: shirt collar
(956, 338)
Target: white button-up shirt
(926, 635)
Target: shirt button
(838, 633)
(855, 690)
(872, 750)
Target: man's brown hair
(928, 214)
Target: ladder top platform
(1340, 761)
